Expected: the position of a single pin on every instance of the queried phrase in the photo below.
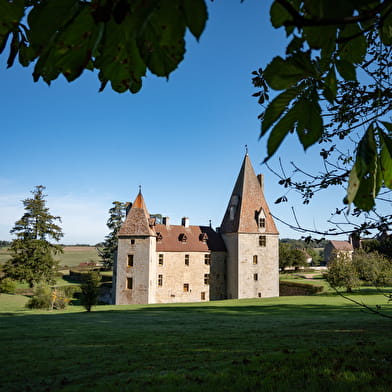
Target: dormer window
(159, 237)
(203, 237)
(182, 237)
(262, 222)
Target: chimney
(260, 177)
(185, 222)
(166, 221)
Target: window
(159, 237)
(129, 283)
(186, 287)
(255, 277)
(259, 295)
(206, 278)
(160, 280)
(262, 240)
(262, 222)
(160, 259)
(203, 295)
(132, 242)
(203, 237)
(186, 259)
(182, 237)
(207, 259)
(130, 261)
(255, 259)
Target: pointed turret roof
(246, 203)
(137, 219)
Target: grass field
(314, 343)
(72, 256)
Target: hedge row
(296, 288)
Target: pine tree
(108, 252)
(32, 255)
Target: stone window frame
(160, 258)
(255, 277)
(203, 295)
(255, 260)
(186, 259)
(207, 258)
(160, 280)
(206, 279)
(262, 222)
(262, 240)
(186, 288)
(130, 259)
(129, 285)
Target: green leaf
(353, 185)
(320, 36)
(310, 123)
(365, 181)
(196, 16)
(277, 106)
(280, 130)
(279, 15)
(346, 69)
(281, 74)
(354, 49)
(330, 85)
(119, 59)
(161, 42)
(386, 30)
(386, 157)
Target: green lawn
(72, 256)
(313, 343)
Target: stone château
(161, 262)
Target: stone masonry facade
(164, 263)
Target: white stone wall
(175, 273)
(267, 267)
(143, 251)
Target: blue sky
(182, 140)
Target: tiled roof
(137, 220)
(172, 239)
(342, 245)
(247, 200)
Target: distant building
(337, 247)
(160, 263)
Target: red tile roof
(137, 220)
(247, 199)
(171, 239)
(342, 245)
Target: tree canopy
(333, 84)
(32, 255)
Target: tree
(335, 86)
(372, 268)
(32, 255)
(342, 272)
(90, 289)
(109, 246)
(291, 257)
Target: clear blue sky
(182, 140)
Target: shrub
(41, 299)
(45, 297)
(342, 273)
(90, 289)
(8, 286)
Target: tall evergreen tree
(116, 217)
(32, 255)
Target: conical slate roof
(137, 219)
(246, 202)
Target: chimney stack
(260, 177)
(185, 222)
(166, 221)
